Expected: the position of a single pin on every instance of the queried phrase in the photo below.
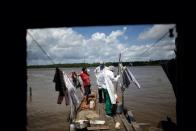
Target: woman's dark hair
(83, 68)
(57, 69)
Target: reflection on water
(152, 103)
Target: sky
(100, 43)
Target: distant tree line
(136, 63)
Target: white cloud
(162, 50)
(155, 32)
(64, 45)
(124, 28)
(111, 38)
(98, 36)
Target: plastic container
(92, 103)
(72, 127)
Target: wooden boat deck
(110, 122)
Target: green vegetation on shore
(136, 63)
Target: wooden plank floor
(110, 122)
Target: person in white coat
(104, 79)
(99, 85)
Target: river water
(152, 103)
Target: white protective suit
(104, 80)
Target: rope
(156, 42)
(41, 47)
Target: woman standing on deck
(86, 82)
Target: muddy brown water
(152, 103)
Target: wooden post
(30, 91)
(123, 99)
(118, 70)
(117, 82)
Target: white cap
(101, 62)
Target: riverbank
(72, 65)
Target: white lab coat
(104, 80)
(98, 75)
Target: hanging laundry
(128, 77)
(59, 80)
(60, 98)
(60, 86)
(73, 99)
